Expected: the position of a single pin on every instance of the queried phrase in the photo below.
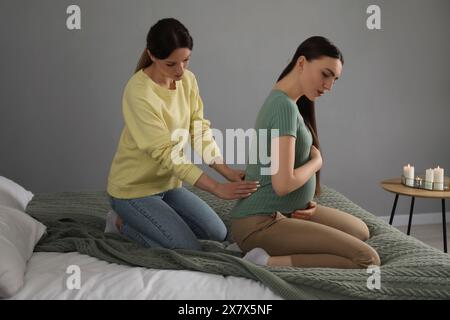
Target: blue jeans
(173, 219)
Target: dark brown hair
(312, 48)
(162, 39)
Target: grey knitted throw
(410, 269)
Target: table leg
(444, 225)
(393, 209)
(410, 214)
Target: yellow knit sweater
(147, 160)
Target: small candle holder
(418, 183)
(421, 183)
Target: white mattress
(46, 278)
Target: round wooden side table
(395, 186)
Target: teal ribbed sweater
(280, 112)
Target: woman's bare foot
(257, 256)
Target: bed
(115, 268)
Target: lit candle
(429, 178)
(408, 173)
(438, 178)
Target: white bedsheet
(46, 278)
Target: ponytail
(144, 61)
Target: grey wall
(60, 111)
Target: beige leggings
(331, 238)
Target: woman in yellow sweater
(161, 104)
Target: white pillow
(13, 195)
(19, 233)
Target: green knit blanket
(410, 269)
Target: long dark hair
(312, 48)
(162, 39)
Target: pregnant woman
(161, 99)
(279, 224)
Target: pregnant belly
(305, 194)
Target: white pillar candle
(438, 178)
(429, 179)
(408, 173)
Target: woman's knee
(214, 229)
(219, 235)
(367, 257)
(198, 215)
(361, 231)
(343, 221)
(357, 228)
(219, 231)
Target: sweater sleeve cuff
(193, 175)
